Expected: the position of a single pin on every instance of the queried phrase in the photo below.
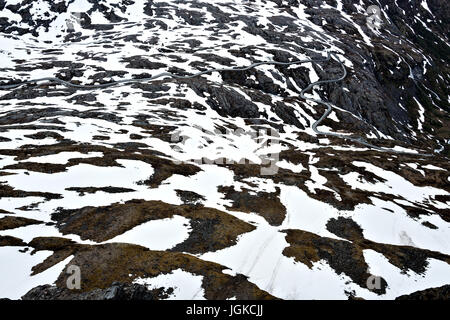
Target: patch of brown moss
(12, 222)
(102, 265)
(347, 256)
(61, 247)
(342, 160)
(267, 205)
(345, 228)
(349, 197)
(9, 192)
(4, 174)
(83, 190)
(333, 164)
(164, 168)
(343, 256)
(8, 241)
(37, 167)
(294, 157)
(211, 229)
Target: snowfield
(163, 184)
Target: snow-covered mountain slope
(218, 186)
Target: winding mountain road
(330, 55)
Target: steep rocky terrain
(218, 186)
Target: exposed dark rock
(345, 228)
(189, 197)
(83, 190)
(441, 293)
(137, 62)
(118, 291)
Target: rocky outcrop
(441, 293)
(109, 271)
(118, 291)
